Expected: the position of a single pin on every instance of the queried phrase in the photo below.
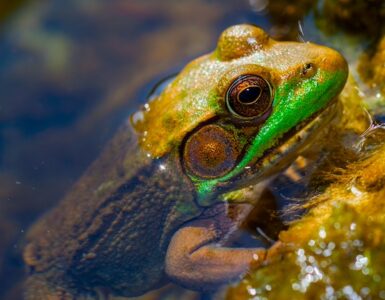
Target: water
(71, 72)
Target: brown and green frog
(164, 197)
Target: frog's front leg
(197, 259)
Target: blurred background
(72, 71)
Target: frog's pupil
(250, 95)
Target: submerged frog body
(164, 196)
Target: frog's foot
(196, 260)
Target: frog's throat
(288, 111)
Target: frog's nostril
(308, 66)
(308, 69)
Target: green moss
(343, 258)
(337, 250)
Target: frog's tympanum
(163, 198)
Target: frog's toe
(278, 251)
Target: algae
(337, 250)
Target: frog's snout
(332, 61)
(334, 68)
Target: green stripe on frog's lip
(288, 112)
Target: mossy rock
(337, 250)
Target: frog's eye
(249, 96)
(210, 152)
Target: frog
(165, 196)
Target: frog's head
(244, 111)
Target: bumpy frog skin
(156, 206)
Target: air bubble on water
(137, 117)
(252, 291)
(350, 293)
(324, 264)
(358, 243)
(365, 291)
(329, 292)
(327, 253)
(309, 269)
(322, 233)
(365, 271)
(355, 191)
(361, 262)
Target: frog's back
(113, 228)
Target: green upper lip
(294, 138)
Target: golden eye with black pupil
(249, 97)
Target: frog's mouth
(289, 146)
